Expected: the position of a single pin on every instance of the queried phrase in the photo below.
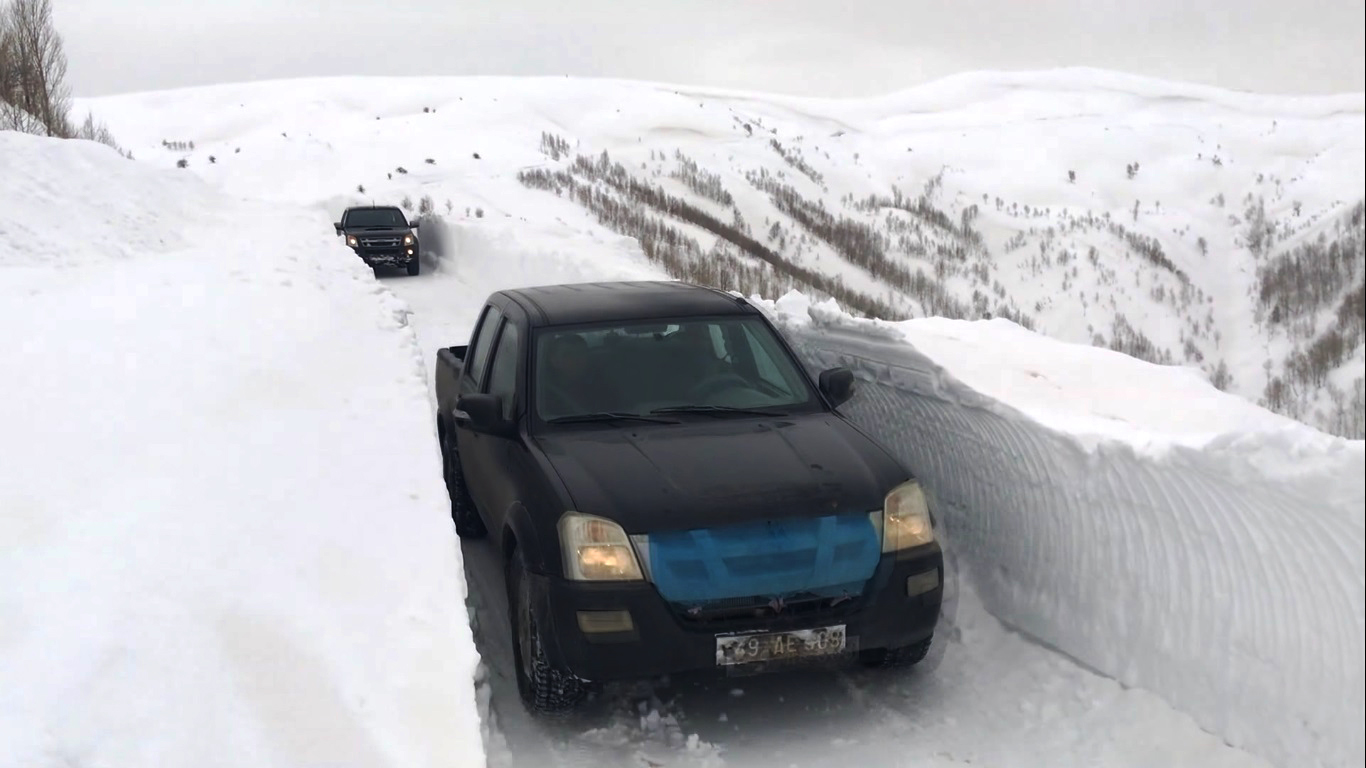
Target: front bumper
(661, 641)
(397, 257)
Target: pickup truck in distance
(382, 236)
(672, 491)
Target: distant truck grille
(776, 567)
(380, 242)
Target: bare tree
(33, 72)
(13, 116)
(34, 97)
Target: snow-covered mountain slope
(1174, 222)
(1171, 536)
(224, 537)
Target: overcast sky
(811, 47)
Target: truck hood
(381, 232)
(698, 474)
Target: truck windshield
(709, 365)
(376, 217)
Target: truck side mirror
(484, 413)
(837, 384)
(415, 224)
(337, 226)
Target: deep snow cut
(1040, 708)
(224, 537)
(1091, 499)
(1169, 535)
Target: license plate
(779, 646)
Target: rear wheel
(896, 658)
(544, 688)
(468, 524)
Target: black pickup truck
(671, 490)
(382, 236)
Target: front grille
(380, 242)
(743, 610)
(769, 568)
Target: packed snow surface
(224, 538)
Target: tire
(414, 267)
(896, 658)
(544, 689)
(468, 523)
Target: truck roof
(574, 303)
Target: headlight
(407, 239)
(352, 241)
(596, 549)
(904, 521)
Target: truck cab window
(482, 341)
(503, 372)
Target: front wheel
(414, 267)
(544, 688)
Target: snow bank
(1164, 533)
(224, 539)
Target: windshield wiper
(580, 418)
(718, 409)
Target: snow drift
(224, 539)
(1162, 532)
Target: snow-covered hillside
(1176, 223)
(224, 537)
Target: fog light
(410, 251)
(921, 583)
(598, 622)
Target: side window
(503, 374)
(476, 357)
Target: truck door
(470, 443)
(500, 457)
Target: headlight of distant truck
(352, 241)
(407, 239)
(904, 520)
(596, 549)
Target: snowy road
(985, 697)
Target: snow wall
(224, 537)
(1155, 529)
